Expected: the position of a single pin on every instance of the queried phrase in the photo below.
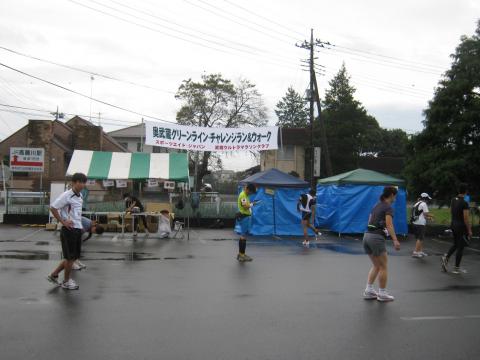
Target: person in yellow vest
(244, 219)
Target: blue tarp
(345, 208)
(277, 213)
(275, 178)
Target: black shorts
(306, 215)
(71, 240)
(419, 231)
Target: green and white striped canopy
(122, 166)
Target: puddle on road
(465, 288)
(25, 241)
(116, 256)
(344, 248)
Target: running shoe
(444, 263)
(76, 266)
(457, 270)
(53, 279)
(70, 285)
(384, 297)
(417, 255)
(247, 258)
(306, 243)
(424, 254)
(241, 258)
(82, 265)
(370, 294)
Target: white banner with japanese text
(198, 138)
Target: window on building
(139, 147)
(286, 153)
(158, 149)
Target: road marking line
(30, 235)
(424, 318)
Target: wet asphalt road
(178, 299)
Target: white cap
(425, 196)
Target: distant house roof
(362, 176)
(275, 178)
(135, 131)
(77, 120)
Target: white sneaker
(82, 265)
(384, 297)
(424, 254)
(70, 285)
(417, 255)
(457, 270)
(370, 294)
(306, 243)
(76, 266)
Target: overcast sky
(394, 51)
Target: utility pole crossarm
(314, 97)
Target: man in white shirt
(67, 209)
(420, 215)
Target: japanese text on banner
(211, 139)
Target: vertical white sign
(317, 157)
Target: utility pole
(313, 98)
(142, 131)
(312, 114)
(91, 95)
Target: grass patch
(441, 216)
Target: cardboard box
(157, 207)
(51, 227)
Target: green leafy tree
(393, 143)
(351, 131)
(291, 111)
(447, 152)
(218, 102)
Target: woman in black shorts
(380, 225)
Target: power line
(66, 113)
(294, 38)
(167, 27)
(391, 57)
(403, 63)
(382, 62)
(225, 41)
(235, 21)
(180, 25)
(85, 96)
(257, 57)
(109, 77)
(263, 17)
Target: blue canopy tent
(344, 201)
(278, 193)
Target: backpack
(416, 212)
